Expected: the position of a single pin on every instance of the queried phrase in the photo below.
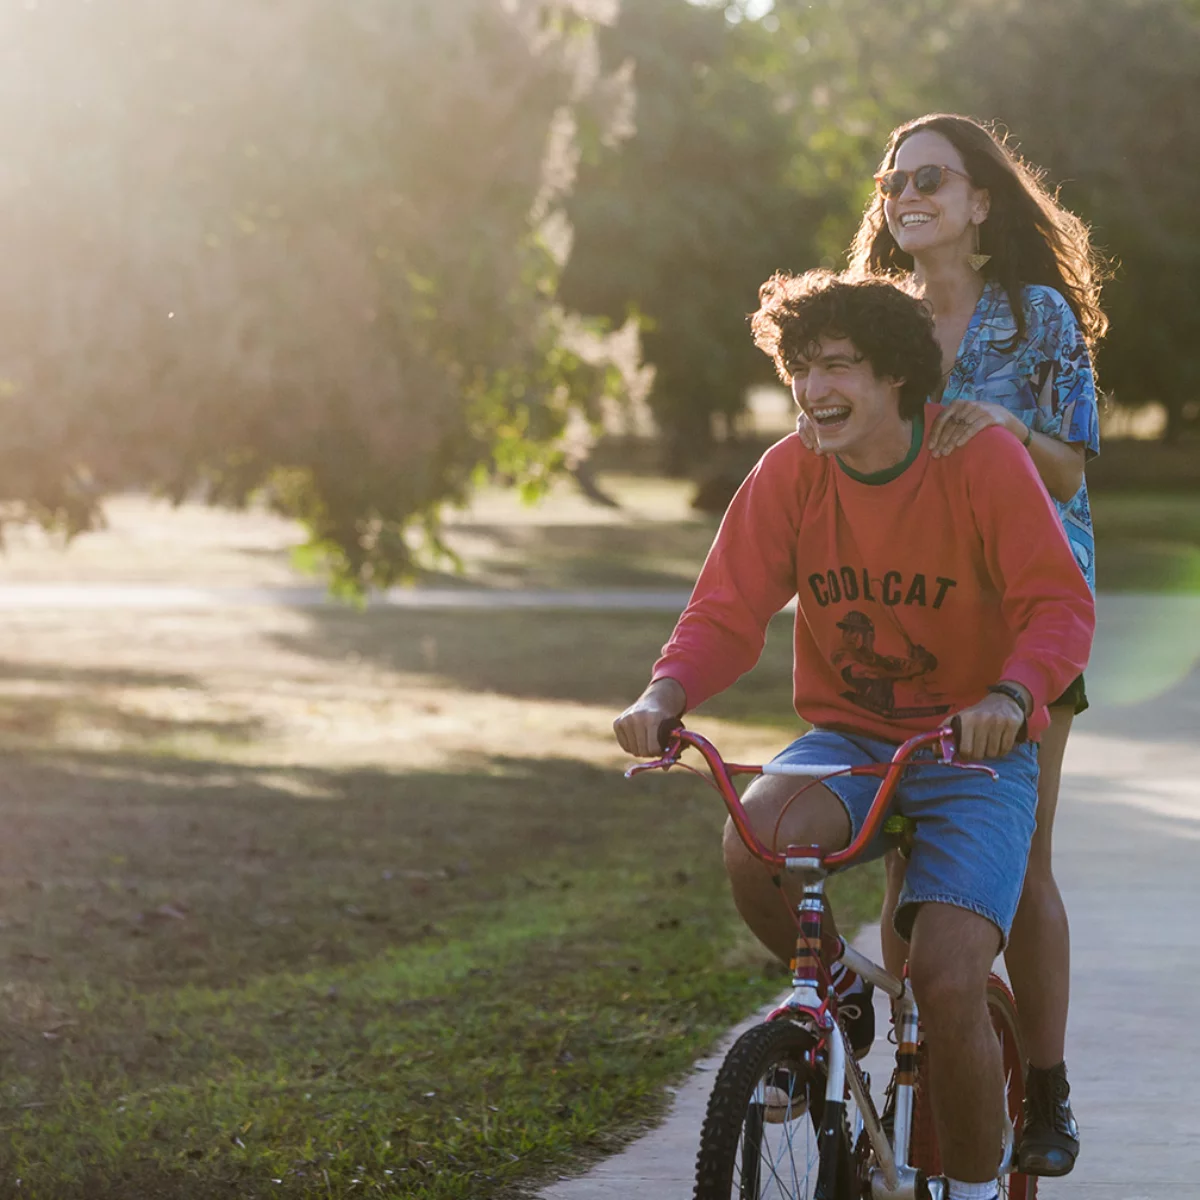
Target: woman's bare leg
(1039, 947)
(895, 948)
(1039, 965)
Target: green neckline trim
(875, 478)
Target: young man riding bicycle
(927, 588)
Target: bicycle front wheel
(923, 1150)
(761, 1138)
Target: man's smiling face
(852, 409)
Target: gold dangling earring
(977, 261)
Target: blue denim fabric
(972, 838)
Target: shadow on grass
(162, 871)
(40, 702)
(41, 672)
(529, 655)
(1147, 565)
(442, 983)
(1147, 649)
(41, 718)
(625, 555)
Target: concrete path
(1127, 850)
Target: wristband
(1025, 442)
(1007, 689)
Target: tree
(681, 224)
(847, 72)
(1094, 91)
(311, 248)
(754, 147)
(1100, 92)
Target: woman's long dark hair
(1031, 238)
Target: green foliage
(318, 251)
(681, 224)
(847, 72)
(1099, 92)
(829, 80)
(754, 147)
(304, 247)
(1091, 91)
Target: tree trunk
(1176, 421)
(686, 445)
(585, 477)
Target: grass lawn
(333, 903)
(653, 540)
(1145, 541)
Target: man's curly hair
(890, 328)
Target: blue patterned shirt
(1046, 380)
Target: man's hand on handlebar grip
(989, 729)
(638, 727)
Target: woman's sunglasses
(925, 179)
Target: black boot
(1050, 1137)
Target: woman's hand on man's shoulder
(960, 421)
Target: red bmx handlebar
(679, 739)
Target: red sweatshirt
(917, 590)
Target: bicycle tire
(744, 1157)
(923, 1147)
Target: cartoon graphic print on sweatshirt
(914, 594)
(863, 656)
(872, 676)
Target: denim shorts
(972, 837)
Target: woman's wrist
(1014, 425)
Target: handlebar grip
(665, 729)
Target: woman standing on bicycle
(1013, 285)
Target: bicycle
(791, 1115)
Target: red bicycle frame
(807, 857)
(813, 999)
